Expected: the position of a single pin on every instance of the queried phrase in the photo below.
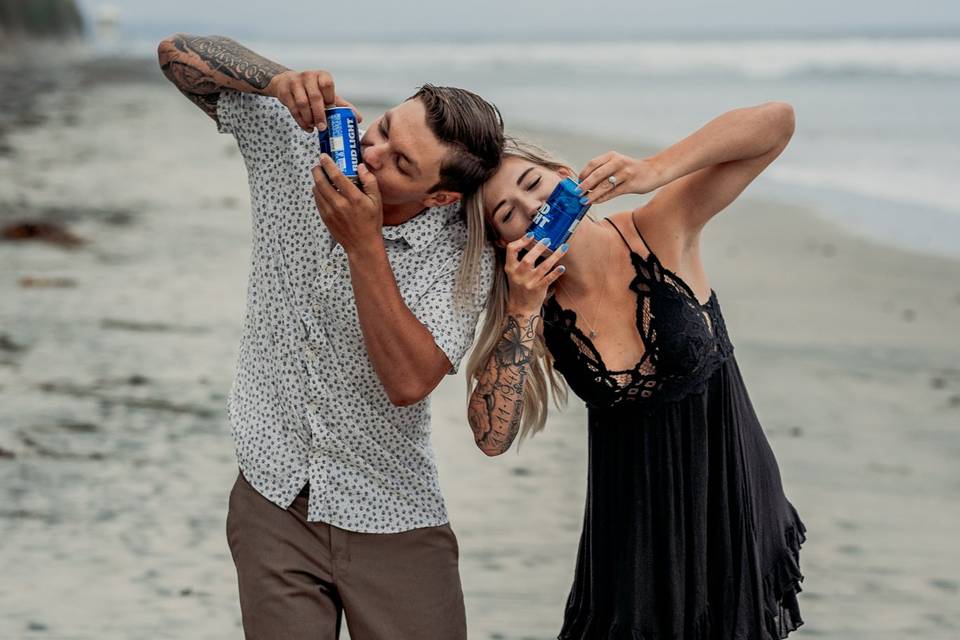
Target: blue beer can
(341, 140)
(560, 214)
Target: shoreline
(874, 219)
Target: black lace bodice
(684, 342)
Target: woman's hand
(528, 281)
(632, 176)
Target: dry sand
(116, 461)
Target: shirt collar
(420, 230)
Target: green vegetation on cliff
(39, 18)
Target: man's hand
(306, 94)
(354, 217)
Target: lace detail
(684, 342)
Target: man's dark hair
(471, 127)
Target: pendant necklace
(603, 290)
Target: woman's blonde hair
(541, 374)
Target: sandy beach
(117, 350)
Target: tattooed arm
(201, 67)
(496, 403)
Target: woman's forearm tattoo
(496, 405)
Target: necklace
(603, 290)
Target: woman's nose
(531, 205)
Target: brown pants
(296, 578)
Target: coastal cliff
(53, 19)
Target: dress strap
(642, 239)
(619, 233)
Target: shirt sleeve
(262, 125)
(453, 325)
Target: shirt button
(309, 351)
(328, 269)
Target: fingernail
(578, 191)
(563, 247)
(584, 200)
(322, 126)
(545, 242)
(530, 235)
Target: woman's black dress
(687, 534)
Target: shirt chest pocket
(333, 294)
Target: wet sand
(116, 355)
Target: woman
(687, 533)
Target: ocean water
(877, 146)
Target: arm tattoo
(194, 69)
(496, 404)
(231, 59)
(197, 87)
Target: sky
(486, 18)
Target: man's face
(405, 156)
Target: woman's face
(513, 195)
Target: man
(351, 323)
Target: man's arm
(405, 355)
(202, 66)
(403, 351)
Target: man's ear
(440, 198)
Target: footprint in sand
(850, 549)
(943, 584)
